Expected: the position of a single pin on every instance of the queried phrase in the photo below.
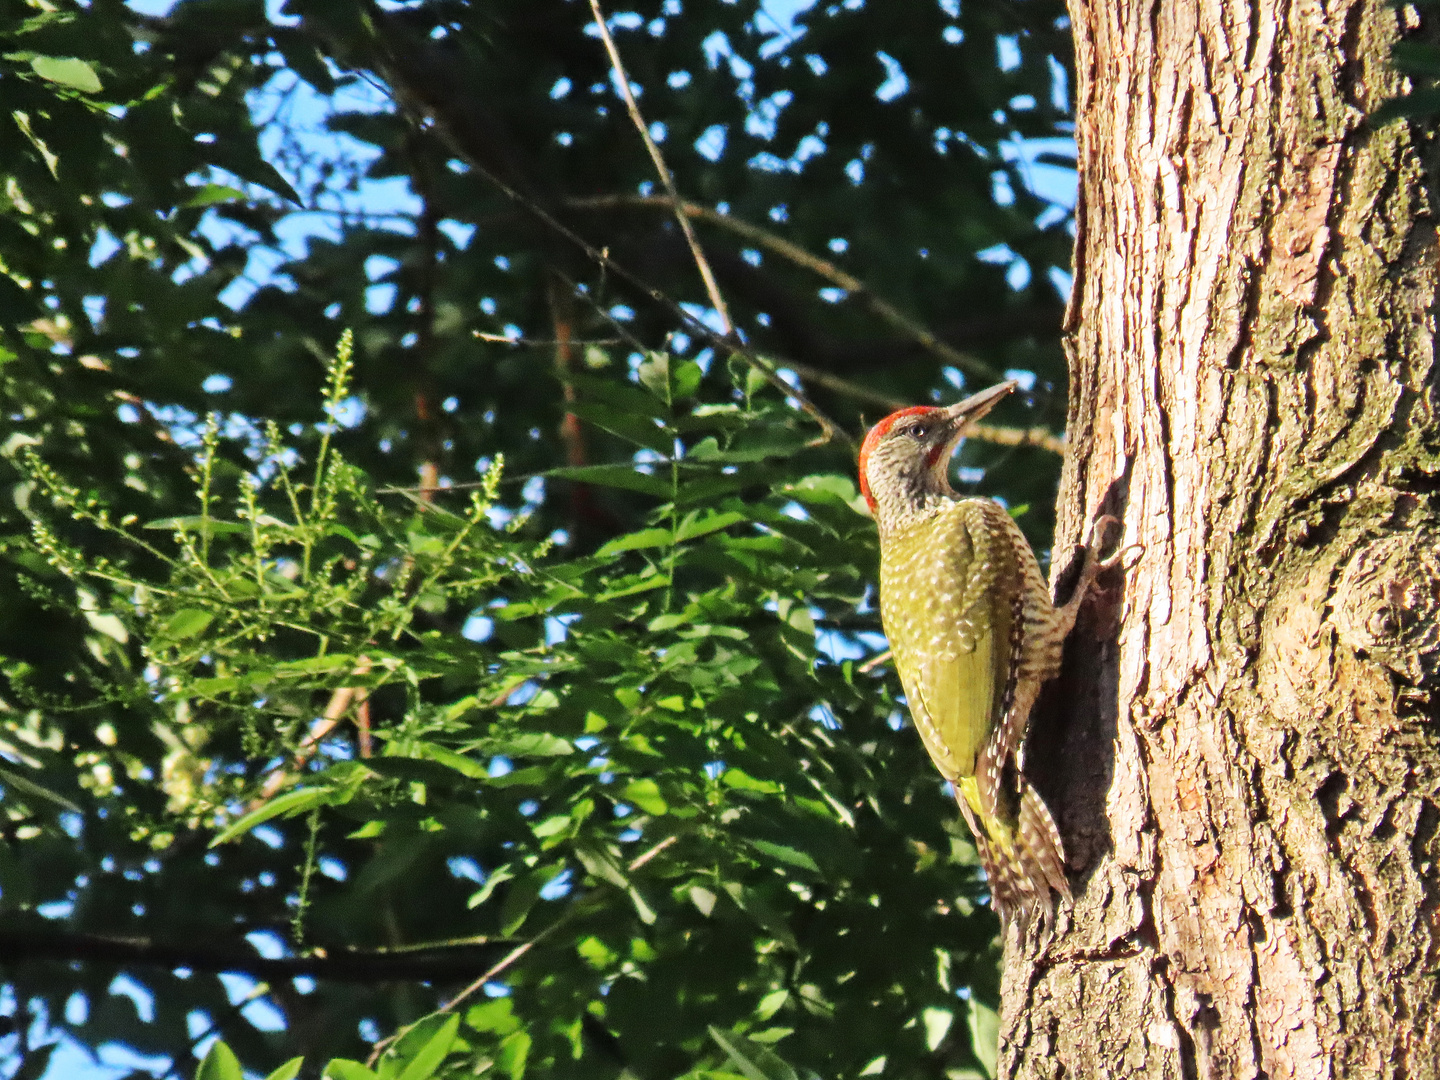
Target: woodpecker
(975, 635)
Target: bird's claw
(1121, 556)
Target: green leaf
(530, 776)
(634, 585)
(707, 449)
(1417, 58)
(600, 864)
(686, 378)
(620, 476)
(642, 907)
(645, 538)
(770, 1004)
(210, 194)
(496, 1016)
(520, 900)
(985, 1035)
(937, 1025)
(288, 1071)
(186, 623)
(826, 487)
(219, 1064)
(743, 781)
(429, 1057)
(1419, 105)
(68, 71)
(498, 876)
(289, 804)
(654, 374)
(645, 794)
(788, 855)
(514, 1052)
(621, 396)
(765, 441)
(242, 158)
(345, 1069)
(529, 744)
(197, 523)
(476, 770)
(13, 779)
(551, 826)
(754, 904)
(640, 430)
(700, 526)
(754, 1061)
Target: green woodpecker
(974, 635)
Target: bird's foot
(1125, 556)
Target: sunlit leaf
(754, 1061)
(288, 804)
(984, 1035)
(220, 1064)
(68, 71)
(187, 623)
(428, 1058)
(288, 1071)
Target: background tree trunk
(1252, 781)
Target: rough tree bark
(1251, 784)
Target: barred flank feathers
(1040, 841)
(1023, 859)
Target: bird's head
(905, 459)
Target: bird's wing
(951, 632)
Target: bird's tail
(1020, 850)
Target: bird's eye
(917, 431)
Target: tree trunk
(1251, 773)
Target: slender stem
(302, 903)
(875, 661)
(712, 288)
(207, 472)
(656, 850)
(460, 998)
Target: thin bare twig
(992, 433)
(794, 253)
(712, 288)
(1044, 438)
(641, 860)
(508, 959)
(537, 343)
(875, 662)
(28, 942)
(340, 700)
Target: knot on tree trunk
(1387, 605)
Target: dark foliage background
(611, 742)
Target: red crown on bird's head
(872, 440)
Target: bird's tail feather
(1020, 851)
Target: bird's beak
(964, 413)
(961, 415)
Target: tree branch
(794, 253)
(678, 205)
(1002, 436)
(455, 962)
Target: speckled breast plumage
(953, 625)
